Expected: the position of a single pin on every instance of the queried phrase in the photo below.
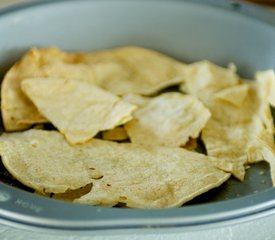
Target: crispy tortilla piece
(78, 110)
(15, 106)
(141, 177)
(231, 143)
(134, 70)
(234, 95)
(168, 120)
(203, 79)
(149, 177)
(18, 111)
(43, 161)
(121, 71)
(267, 81)
(266, 143)
(232, 132)
(240, 114)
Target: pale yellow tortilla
(44, 161)
(168, 120)
(121, 71)
(18, 112)
(232, 132)
(79, 110)
(15, 106)
(203, 79)
(234, 95)
(149, 177)
(267, 81)
(267, 151)
(134, 70)
(140, 177)
(240, 113)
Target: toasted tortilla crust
(168, 120)
(79, 110)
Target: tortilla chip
(239, 114)
(43, 161)
(267, 81)
(202, 79)
(148, 177)
(15, 106)
(142, 177)
(18, 111)
(234, 95)
(134, 70)
(266, 141)
(116, 134)
(168, 120)
(231, 134)
(230, 143)
(77, 109)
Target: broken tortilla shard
(239, 113)
(149, 177)
(18, 111)
(202, 79)
(234, 95)
(79, 110)
(168, 120)
(232, 132)
(120, 71)
(134, 70)
(267, 80)
(139, 176)
(43, 161)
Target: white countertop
(260, 229)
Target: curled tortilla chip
(234, 95)
(43, 161)
(266, 143)
(18, 111)
(168, 120)
(202, 79)
(15, 106)
(78, 110)
(162, 177)
(121, 71)
(140, 177)
(231, 134)
(134, 70)
(239, 113)
(267, 81)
